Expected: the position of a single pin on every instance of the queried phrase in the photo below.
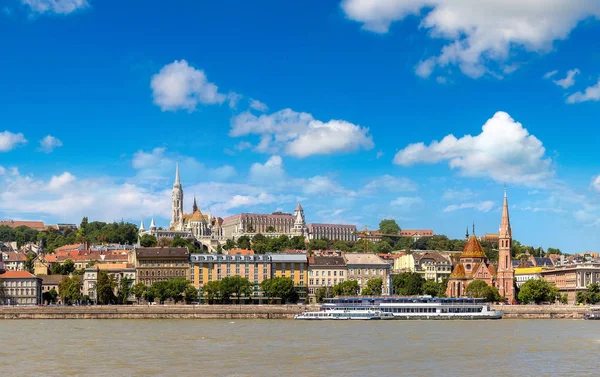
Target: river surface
(299, 348)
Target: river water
(299, 348)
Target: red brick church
(474, 265)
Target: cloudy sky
(418, 110)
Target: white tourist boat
(422, 307)
(337, 314)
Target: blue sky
(346, 106)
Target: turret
(142, 229)
(152, 225)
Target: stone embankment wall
(542, 311)
(241, 312)
(154, 312)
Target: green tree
(270, 229)
(297, 243)
(138, 291)
(229, 244)
(235, 286)
(211, 291)
(382, 247)
(374, 287)
(148, 240)
(125, 290)
(591, 296)
(408, 284)
(389, 226)
(179, 242)
(282, 287)
(564, 299)
(149, 294)
(322, 293)
(105, 288)
(29, 261)
(244, 243)
(346, 288)
(70, 290)
(432, 288)
(50, 296)
(191, 294)
(538, 291)
(477, 289)
(318, 245)
(341, 245)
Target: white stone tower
(300, 222)
(177, 203)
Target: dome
(473, 249)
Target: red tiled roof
(14, 257)
(412, 232)
(16, 275)
(37, 225)
(240, 252)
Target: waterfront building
(293, 266)
(214, 267)
(50, 282)
(570, 279)
(21, 288)
(432, 265)
(273, 225)
(473, 265)
(364, 266)
(524, 274)
(118, 271)
(325, 272)
(154, 264)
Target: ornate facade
(273, 225)
(473, 263)
(203, 228)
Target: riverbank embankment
(542, 311)
(241, 312)
(153, 312)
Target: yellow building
(522, 275)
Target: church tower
(506, 272)
(300, 222)
(177, 203)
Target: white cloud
(544, 209)
(588, 219)
(158, 166)
(242, 145)
(270, 171)
(504, 151)
(9, 141)
(48, 144)
(568, 81)
(300, 135)
(58, 182)
(233, 98)
(319, 184)
(406, 202)
(591, 93)
(257, 105)
(476, 35)
(550, 74)
(464, 194)
(55, 6)
(389, 183)
(596, 183)
(379, 154)
(485, 206)
(425, 68)
(180, 86)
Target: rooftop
(327, 261)
(162, 252)
(364, 259)
(473, 249)
(16, 275)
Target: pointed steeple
(177, 182)
(195, 206)
(467, 234)
(142, 226)
(298, 207)
(505, 231)
(152, 225)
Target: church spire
(152, 225)
(195, 206)
(505, 231)
(177, 174)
